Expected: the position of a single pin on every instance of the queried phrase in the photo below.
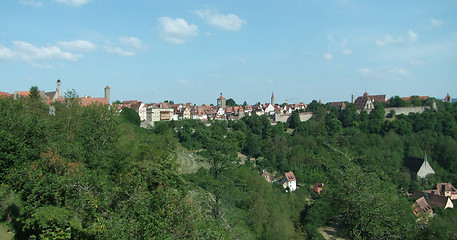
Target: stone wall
(406, 110)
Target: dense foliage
(72, 172)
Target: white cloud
(119, 51)
(25, 51)
(42, 66)
(399, 71)
(412, 36)
(230, 22)
(32, 3)
(416, 62)
(385, 73)
(176, 31)
(130, 45)
(388, 40)
(184, 83)
(340, 46)
(78, 45)
(346, 51)
(436, 22)
(328, 57)
(365, 71)
(34, 55)
(73, 3)
(132, 42)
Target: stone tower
(272, 99)
(107, 94)
(58, 92)
(221, 101)
(448, 98)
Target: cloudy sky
(192, 50)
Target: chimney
(107, 94)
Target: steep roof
(413, 163)
(421, 207)
(444, 187)
(290, 176)
(440, 201)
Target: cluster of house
(166, 111)
(55, 96)
(289, 182)
(441, 196)
(150, 113)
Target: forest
(73, 172)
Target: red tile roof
(86, 101)
(4, 94)
(421, 207)
(290, 176)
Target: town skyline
(191, 51)
(289, 100)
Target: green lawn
(4, 233)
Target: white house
(289, 181)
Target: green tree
(294, 120)
(131, 116)
(230, 102)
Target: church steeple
(272, 98)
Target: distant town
(227, 109)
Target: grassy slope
(4, 233)
(189, 162)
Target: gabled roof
(413, 163)
(290, 176)
(421, 207)
(440, 201)
(266, 175)
(86, 101)
(22, 93)
(444, 187)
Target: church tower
(221, 101)
(272, 98)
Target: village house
(266, 175)
(422, 209)
(289, 181)
(367, 102)
(445, 190)
(434, 200)
(318, 187)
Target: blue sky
(192, 50)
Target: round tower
(107, 94)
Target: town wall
(406, 110)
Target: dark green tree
(131, 116)
(230, 102)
